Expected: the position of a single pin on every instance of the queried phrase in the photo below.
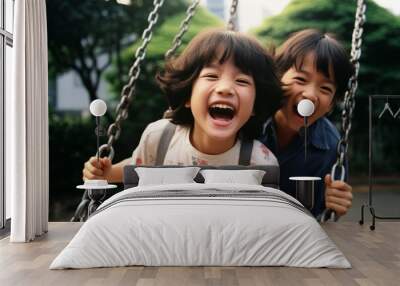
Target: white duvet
(222, 224)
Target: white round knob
(98, 107)
(305, 107)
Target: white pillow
(163, 176)
(249, 177)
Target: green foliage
(379, 73)
(336, 15)
(165, 34)
(80, 31)
(72, 142)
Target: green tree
(79, 32)
(380, 65)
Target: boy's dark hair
(217, 44)
(327, 51)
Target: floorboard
(374, 255)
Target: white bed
(201, 224)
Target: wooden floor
(375, 256)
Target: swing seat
(201, 224)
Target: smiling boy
(312, 65)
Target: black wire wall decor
(386, 112)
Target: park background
(92, 44)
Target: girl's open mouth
(222, 113)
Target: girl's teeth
(222, 106)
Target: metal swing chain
(232, 15)
(349, 102)
(128, 90)
(114, 130)
(177, 42)
(349, 98)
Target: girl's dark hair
(248, 55)
(328, 53)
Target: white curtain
(27, 171)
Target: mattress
(201, 225)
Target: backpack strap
(163, 145)
(246, 147)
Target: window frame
(6, 39)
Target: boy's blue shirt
(321, 156)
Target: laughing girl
(220, 90)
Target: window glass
(9, 16)
(8, 89)
(1, 15)
(2, 194)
